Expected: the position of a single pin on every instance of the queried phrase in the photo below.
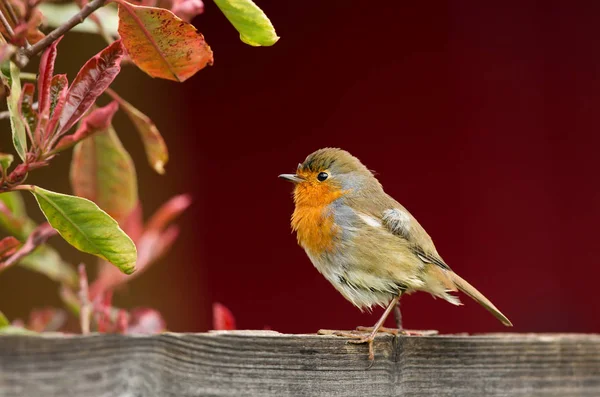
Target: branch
(62, 29)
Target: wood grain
(263, 363)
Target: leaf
(8, 246)
(187, 9)
(102, 171)
(59, 86)
(46, 320)
(13, 330)
(161, 44)
(26, 107)
(13, 217)
(154, 144)
(57, 14)
(98, 120)
(47, 261)
(6, 51)
(222, 318)
(5, 161)
(145, 321)
(252, 23)
(3, 321)
(86, 227)
(91, 81)
(17, 124)
(46, 72)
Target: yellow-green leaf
(5, 161)
(161, 44)
(248, 19)
(17, 124)
(13, 218)
(86, 227)
(3, 320)
(102, 171)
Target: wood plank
(270, 364)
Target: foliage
(103, 217)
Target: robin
(366, 243)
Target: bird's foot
(396, 331)
(356, 337)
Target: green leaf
(3, 321)
(252, 23)
(57, 14)
(12, 330)
(17, 123)
(102, 171)
(47, 261)
(5, 161)
(86, 227)
(13, 218)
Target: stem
(23, 187)
(11, 12)
(64, 28)
(6, 25)
(37, 237)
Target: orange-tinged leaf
(154, 144)
(8, 246)
(161, 44)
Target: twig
(85, 310)
(6, 25)
(37, 237)
(11, 11)
(22, 57)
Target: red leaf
(145, 321)
(6, 51)
(187, 9)
(8, 246)
(222, 318)
(58, 96)
(26, 108)
(161, 44)
(98, 120)
(46, 72)
(168, 212)
(91, 81)
(46, 320)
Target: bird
(365, 243)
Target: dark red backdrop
(482, 119)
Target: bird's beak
(292, 178)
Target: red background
(482, 119)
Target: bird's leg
(399, 330)
(397, 317)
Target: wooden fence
(265, 363)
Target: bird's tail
(468, 289)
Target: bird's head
(327, 175)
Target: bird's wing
(401, 223)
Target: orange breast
(315, 230)
(315, 227)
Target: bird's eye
(322, 176)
